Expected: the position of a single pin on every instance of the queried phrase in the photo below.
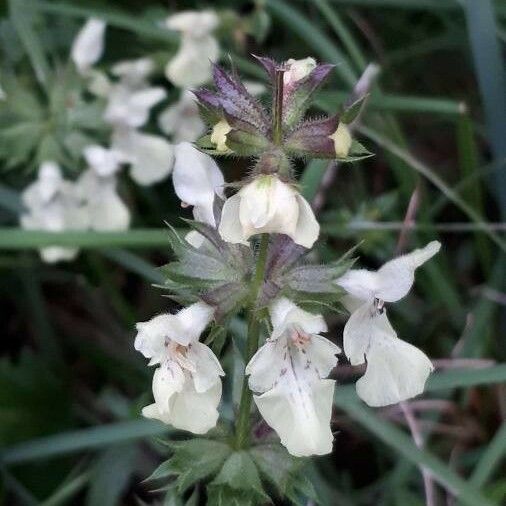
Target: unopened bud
(219, 135)
(342, 141)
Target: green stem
(242, 432)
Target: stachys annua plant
(248, 253)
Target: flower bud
(297, 70)
(342, 141)
(219, 135)
(268, 205)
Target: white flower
(105, 162)
(187, 384)
(127, 107)
(268, 205)
(133, 73)
(3, 95)
(297, 70)
(396, 370)
(96, 187)
(342, 140)
(88, 45)
(51, 205)
(190, 66)
(289, 371)
(151, 157)
(182, 120)
(197, 179)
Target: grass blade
(113, 17)
(491, 75)
(434, 178)
(11, 238)
(81, 440)
(314, 37)
(490, 459)
(20, 12)
(403, 445)
(343, 33)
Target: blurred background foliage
(70, 383)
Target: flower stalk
(243, 428)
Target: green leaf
(276, 465)
(238, 478)
(111, 474)
(192, 461)
(351, 112)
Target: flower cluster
(125, 99)
(250, 252)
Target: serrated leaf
(240, 473)
(197, 459)
(276, 465)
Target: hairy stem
(277, 109)
(243, 429)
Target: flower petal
(396, 371)
(230, 227)
(191, 66)
(284, 314)
(196, 412)
(187, 325)
(392, 281)
(194, 23)
(150, 338)
(105, 162)
(168, 380)
(301, 418)
(88, 45)
(266, 365)
(151, 157)
(207, 366)
(182, 120)
(397, 276)
(197, 179)
(321, 353)
(308, 228)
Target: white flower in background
(186, 384)
(268, 205)
(190, 66)
(3, 96)
(88, 45)
(182, 121)
(197, 180)
(151, 157)
(396, 370)
(97, 188)
(127, 107)
(297, 70)
(134, 73)
(51, 205)
(289, 372)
